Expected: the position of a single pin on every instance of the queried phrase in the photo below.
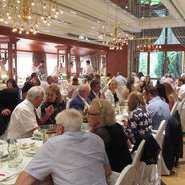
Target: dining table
(26, 149)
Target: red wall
(117, 61)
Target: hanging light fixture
(145, 43)
(113, 36)
(25, 15)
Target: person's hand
(5, 112)
(125, 122)
(49, 110)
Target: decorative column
(12, 55)
(102, 62)
(66, 51)
(77, 59)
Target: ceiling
(83, 19)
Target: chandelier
(145, 44)
(25, 16)
(112, 35)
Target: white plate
(30, 151)
(25, 143)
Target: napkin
(4, 174)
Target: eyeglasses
(91, 114)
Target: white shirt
(89, 70)
(122, 80)
(73, 158)
(96, 94)
(44, 85)
(181, 95)
(110, 97)
(23, 121)
(84, 101)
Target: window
(143, 62)
(156, 64)
(161, 39)
(171, 37)
(24, 65)
(174, 61)
(51, 61)
(157, 61)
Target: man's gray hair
(34, 92)
(71, 119)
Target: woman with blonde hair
(139, 122)
(112, 94)
(170, 94)
(53, 98)
(101, 119)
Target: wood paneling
(117, 61)
(6, 31)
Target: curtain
(132, 47)
(140, 38)
(153, 34)
(179, 33)
(95, 60)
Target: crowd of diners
(73, 156)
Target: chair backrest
(181, 105)
(137, 159)
(138, 165)
(174, 108)
(159, 135)
(127, 176)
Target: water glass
(1, 153)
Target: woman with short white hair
(101, 118)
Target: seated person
(73, 157)
(47, 83)
(139, 122)
(170, 94)
(72, 88)
(54, 98)
(128, 88)
(23, 119)
(11, 83)
(9, 99)
(79, 101)
(95, 90)
(112, 94)
(101, 119)
(158, 109)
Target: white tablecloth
(14, 172)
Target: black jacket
(173, 142)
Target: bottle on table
(12, 154)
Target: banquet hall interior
(118, 37)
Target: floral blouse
(139, 124)
(57, 108)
